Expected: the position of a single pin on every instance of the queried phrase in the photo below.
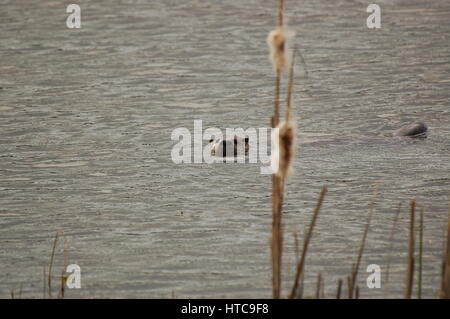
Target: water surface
(85, 123)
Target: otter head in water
(229, 147)
(416, 129)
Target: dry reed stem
(391, 240)
(64, 250)
(63, 272)
(410, 269)
(308, 235)
(276, 242)
(280, 13)
(51, 265)
(355, 269)
(349, 284)
(322, 289)
(44, 290)
(445, 280)
(286, 131)
(318, 285)
(419, 273)
(63, 283)
(290, 88)
(276, 41)
(339, 289)
(277, 235)
(275, 119)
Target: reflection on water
(86, 117)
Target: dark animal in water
(228, 147)
(416, 129)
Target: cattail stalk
(391, 241)
(308, 235)
(355, 269)
(63, 284)
(51, 265)
(410, 269)
(339, 289)
(276, 42)
(419, 272)
(318, 285)
(290, 89)
(445, 280)
(44, 286)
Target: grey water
(86, 117)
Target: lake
(86, 117)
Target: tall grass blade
(445, 279)
(410, 268)
(339, 289)
(355, 268)
(308, 236)
(391, 241)
(419, 273)
(51, 265)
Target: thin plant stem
(391, 241)
(318, 285)
(308, 236)
(419, 274)
(290, 88)
(51, 265)
(445, 279)
(339, 289)
(410, 267)
(355, 269)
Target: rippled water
(85, 123)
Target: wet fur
(416, 129)
(227, 147)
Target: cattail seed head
(276, 41)
(286, 148)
